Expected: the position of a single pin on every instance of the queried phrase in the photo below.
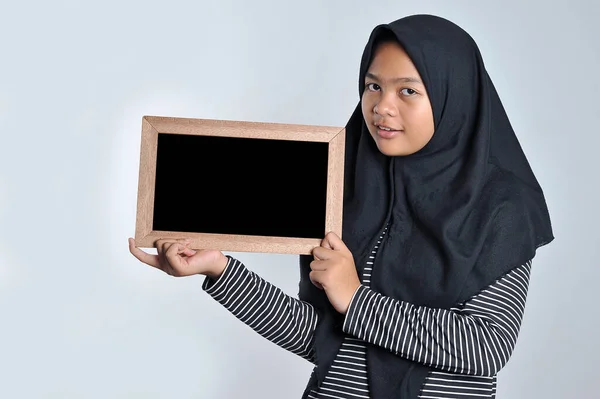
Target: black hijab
(462, 212)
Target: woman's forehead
(391, 64)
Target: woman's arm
(476, 338)
(283, 320)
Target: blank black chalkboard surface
(239, 186)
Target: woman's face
(395, 104)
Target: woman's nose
(385, 106)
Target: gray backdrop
(81, 318)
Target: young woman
(442, 217)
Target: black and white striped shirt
(466, 345)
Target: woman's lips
(387, 134)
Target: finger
(158, 244)
(142, 256)
(161, 242)
(169, 264)
(164, 244)
(176, 249)
(321, 253)
(315, 276)
(318, 265)
(334, 242)
(173, 258)
(325, 243)
(188, 251)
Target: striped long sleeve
(283, 320)
(476, 338)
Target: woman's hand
(177, 259)
(334, 271)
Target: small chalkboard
(239, 186)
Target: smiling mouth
(386, 132)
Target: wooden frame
(152, 126)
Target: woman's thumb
(332, 241)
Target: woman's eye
(408, 92)
(373, 86)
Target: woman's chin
(391, 149)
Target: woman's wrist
(220, 266)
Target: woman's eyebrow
(408, 79)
